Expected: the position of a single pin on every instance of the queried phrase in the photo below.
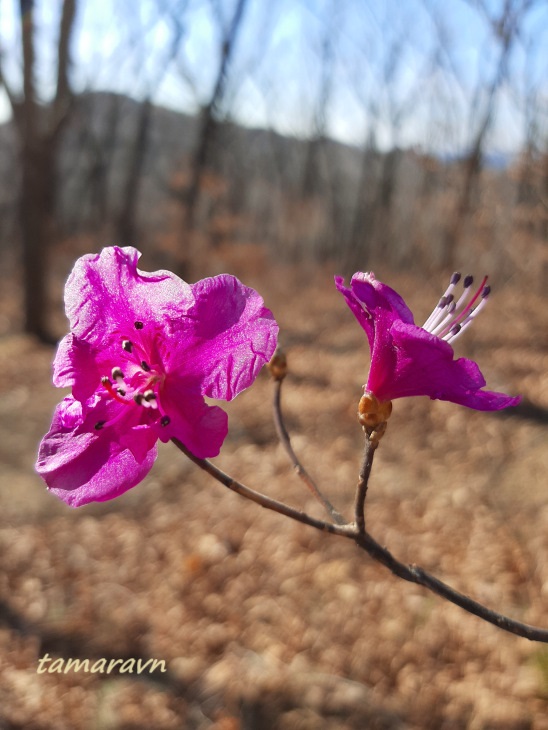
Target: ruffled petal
(378, 297)
(227, 338)
(364, 318)
(81, 465)
(75, 365)
(419, 363)
(107, 293)
(201, 428)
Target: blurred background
(409, 133)
(282, 141)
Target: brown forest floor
(264, 623)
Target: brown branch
(262, 499)
(411, 573)
(361, 489)
(415, 574)
(301, 472)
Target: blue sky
(390, 77)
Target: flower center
(450, 318)
(135, 382)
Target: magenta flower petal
(378, 297)
(75, 366)
(143, 351)
(364, 318)
(81, 466)
(441, 376)
(407, 360)
(230, 336)
(201, 428)
(106, 293)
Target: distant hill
(305, 199)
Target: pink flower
(144, 350)
(408, 360)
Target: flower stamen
(150, 399)
(140, 388)
(472, 315)
(434, 318)
(468, 310)
(438, 325)
(447, 321)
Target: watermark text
(99, 666)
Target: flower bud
(278, 364)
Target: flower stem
(415, 574)
(301, 472)
(411, 573)
(262, 499)
(363, 480)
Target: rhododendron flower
(144, 350)
(407, 360)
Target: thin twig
(285, 440)
(411, 573)
(263, 500)
(361, 489)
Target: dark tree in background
(39, 129)
(505, 27)
(208, 127)
(254, 159)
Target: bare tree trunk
(35, 199)
(206, 139)
(127, 220)
(318, 184)
(126, 223)
(383, 227)
(358, 246)
(39, 138)
(506, 28)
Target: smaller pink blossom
(143, 351)
(407, 360)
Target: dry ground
(264, 623)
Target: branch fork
(373, 417)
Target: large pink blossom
(143, 351)
(407, 360)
